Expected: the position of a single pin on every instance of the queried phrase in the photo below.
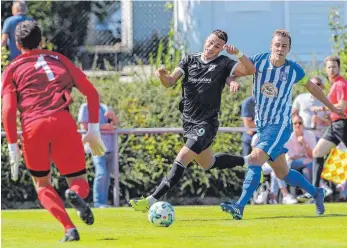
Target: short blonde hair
(283, 33)
(333, 59)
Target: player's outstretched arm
(166, 79)
(9, 111)
(319, 94)
(245, 67)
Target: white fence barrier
(163, 130)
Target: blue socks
(250, 184)
(252, 180)
(295, 179)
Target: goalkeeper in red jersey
(39, 83)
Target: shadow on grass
(108, 239)
(206, 220)
(300, 216)
(271, 217)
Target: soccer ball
(161, 214)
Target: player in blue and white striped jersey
(273, 83)
(273, 89)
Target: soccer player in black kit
(205, 75)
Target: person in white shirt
(309, 108)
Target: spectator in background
(19, 11)
(309, 108)
(337, 131)
(103, 164)
(248, 115)
(300, 146)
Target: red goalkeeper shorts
(53, 139)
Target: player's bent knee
(70, 178)
(80, 173)
(206, 166)
(281, 175)
(315, 152)
(257, 157)
(39, 174)
(185, 156)
(41, 182)
(318, 152)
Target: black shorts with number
(336, 132)
(199, 137)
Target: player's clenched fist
(231, 49)
(93, 138)
(160, 72)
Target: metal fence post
(116, 170)
(162, 130)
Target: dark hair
(28, 34)
(283, 33)
(296, 115)
(334, 59)
(221, 35)
(317, 78)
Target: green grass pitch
(205, 226)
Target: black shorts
(336, 132)
(199, 137)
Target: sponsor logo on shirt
(200, 80)
(212, 67)
(283, 76)
(269, 90)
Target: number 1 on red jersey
(42, 63)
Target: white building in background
(250, 24)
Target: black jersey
(202, 87)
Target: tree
(339, 37)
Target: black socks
(169, 181)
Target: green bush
(339, 38)
(144, 158)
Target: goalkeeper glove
(14, 160)
(93, 138)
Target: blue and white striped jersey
(273, 90)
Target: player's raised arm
(245, 67)
(319, 94)
(166, 79)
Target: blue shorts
(272, 139)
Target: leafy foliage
(145, 158)
(64, 24)
(339, 38)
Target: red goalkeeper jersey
(42, 81)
